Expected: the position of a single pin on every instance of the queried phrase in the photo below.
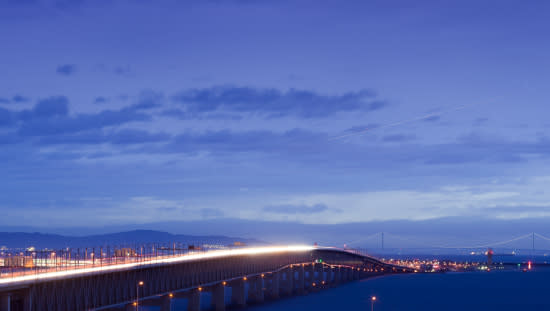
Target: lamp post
(140, 283)
(372, 300)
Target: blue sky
(118, 112)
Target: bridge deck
(107, 265)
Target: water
(483, 291)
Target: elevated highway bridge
(251, 275)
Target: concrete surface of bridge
(252, 274)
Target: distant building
(19, 262)
(489, 257)
(125, 252)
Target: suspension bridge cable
(471, 246)
(496, 243)
(542, 236)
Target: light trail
(155, 261)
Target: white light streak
(19, 280)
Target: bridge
(233, 277)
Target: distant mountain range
(135, 237)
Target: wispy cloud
(274, 103)
(66, 70)
(296, 209)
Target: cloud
(49, 107)
(46, 108)
(480, 121)
(396, 138)
(223, 141)
(149, 99)
(6, 117)
(50, 116)
(15, 99)
(122, 137)
(82, 122)
(432, 119)
(211, 213)
(361, 128)
(295, 209)
(273, 103)
(122, 70)
(182, 115)
(66, 70)
(100, 100)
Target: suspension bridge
(381, 240)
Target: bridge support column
(238, 293)
(273, 285)
(288, 282)
(218, 297)
(343, 274)
(319, 277)
(310, 278)
(166, 303)
(256, 289)
(194, 300)
(5, 303)
(301, 285)
(329, 276)
(337, 275)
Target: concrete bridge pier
(5, 302)
(218, 296)
(348, 274)
(319, 274)
(329, 276)
(337, 275)
(287, 285)
(256, 289)
(300, 282)
(272, 285)
(238, 293)
(310, 276)
(166, 303)
(194, 300)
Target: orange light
(140, 283)
(224, 283)
(171, 295)
(263, 275)
(373, 298)
(314, 284)
(135, 303)
(245, 278)
(200, 289)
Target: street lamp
(139, 284)
(372, 300)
